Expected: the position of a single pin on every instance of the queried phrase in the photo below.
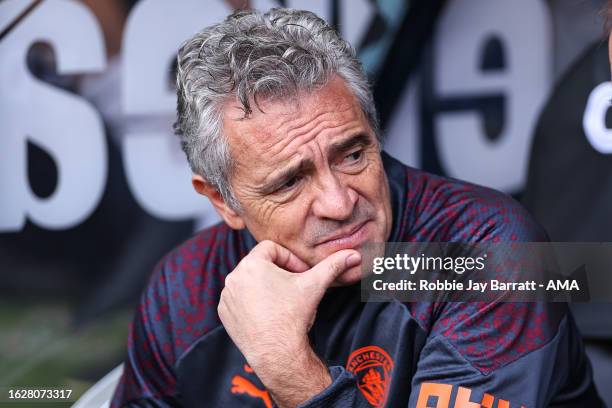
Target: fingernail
(353, 260)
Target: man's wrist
(294, 378)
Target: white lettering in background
(403, 139)
(157, 172)
(594, 118)
(65, 126)
(71, 132)
(524, 29)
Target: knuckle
(256, 265)
(247, 265)
(229, 281)
(337, 265)
(222, 298)
(221, 310)
(244, 263)
(266, 244)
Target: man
(279, 127)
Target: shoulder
(442, 209)
(446, 209)
(178, 306)
(211, 250)
(183, 292)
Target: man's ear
(231, 217)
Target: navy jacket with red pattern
(389, 354)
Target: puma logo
(241, 385)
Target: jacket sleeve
(506, 360)
(501, 354)
(341, 393)
(148, 378)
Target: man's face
(309, 175)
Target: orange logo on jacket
(442, 394)
(241, 385)
(372, 366)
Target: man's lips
(348, 238)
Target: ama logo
(372, 366)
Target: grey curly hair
(249, 57)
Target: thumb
(326, 271)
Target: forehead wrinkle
(300, 122)
(310, 107)
(292, 129)
(294, 116)
(315, 127)
(320, 131)
(291, 163)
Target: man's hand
(267, 307)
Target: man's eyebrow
(295, 169)
(285, 175)
(344, 145)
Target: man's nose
(335, 200)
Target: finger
(326, 271)
(279, 255)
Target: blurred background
(94, 189)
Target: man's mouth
(347, 238)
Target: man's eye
(354, 156)
(290, 183)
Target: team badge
(372, 366)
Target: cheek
(287, 227)
(373, 184)
(374, 187)
(283, 224)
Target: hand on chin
(349, 277)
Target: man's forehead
(281, 121)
